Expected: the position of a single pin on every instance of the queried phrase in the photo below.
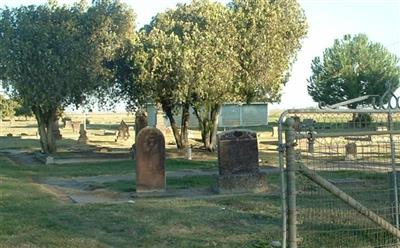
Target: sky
(327, 19)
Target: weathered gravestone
(160, 123)
(123, 131)
(76, 125)
(150, 161)
(140, 122)
(83, 139)
(238, 163)
(351, 151)
(68, 124)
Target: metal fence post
(281, 149)
(393, 164)
(290, 136)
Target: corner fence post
(394, 172)
(290, 136)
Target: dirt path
(84, 182)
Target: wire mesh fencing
(341, 181)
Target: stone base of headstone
(149, 191)
(242, 183)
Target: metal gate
(339, 175)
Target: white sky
(328, 20)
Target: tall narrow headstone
(150, 161)
(238, 163)
(140, 122)
(76, 126)
(83, 139)
(160, 123)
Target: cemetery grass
(41, 171)
(34, 216)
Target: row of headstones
(238, 162)
(122, 134)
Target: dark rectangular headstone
(238, 163)
(237, 152)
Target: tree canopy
(354, 66)
(203, 54)
(269, 35)
(52, 56)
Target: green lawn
(33, 216)
(185, 182)
(94, 169)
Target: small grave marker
(351, 151)
(123, 131)
(83, 139)
(76, 125)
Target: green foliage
(52, 56)
(204, 54)
(268, 35)
(361, 120)
(7, 107)
(352, 67)
(10, 107)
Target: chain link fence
(339, 177)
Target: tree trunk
(45, 122)
(208, 121)
(214, 126)
(174, 127)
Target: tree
(52, 56)
(190, 63)
(150, 72)
(7, 107)
(213, 66)
(249, 50)
(175, 61)
(354, 66)
(269, 35)
(203, 54)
